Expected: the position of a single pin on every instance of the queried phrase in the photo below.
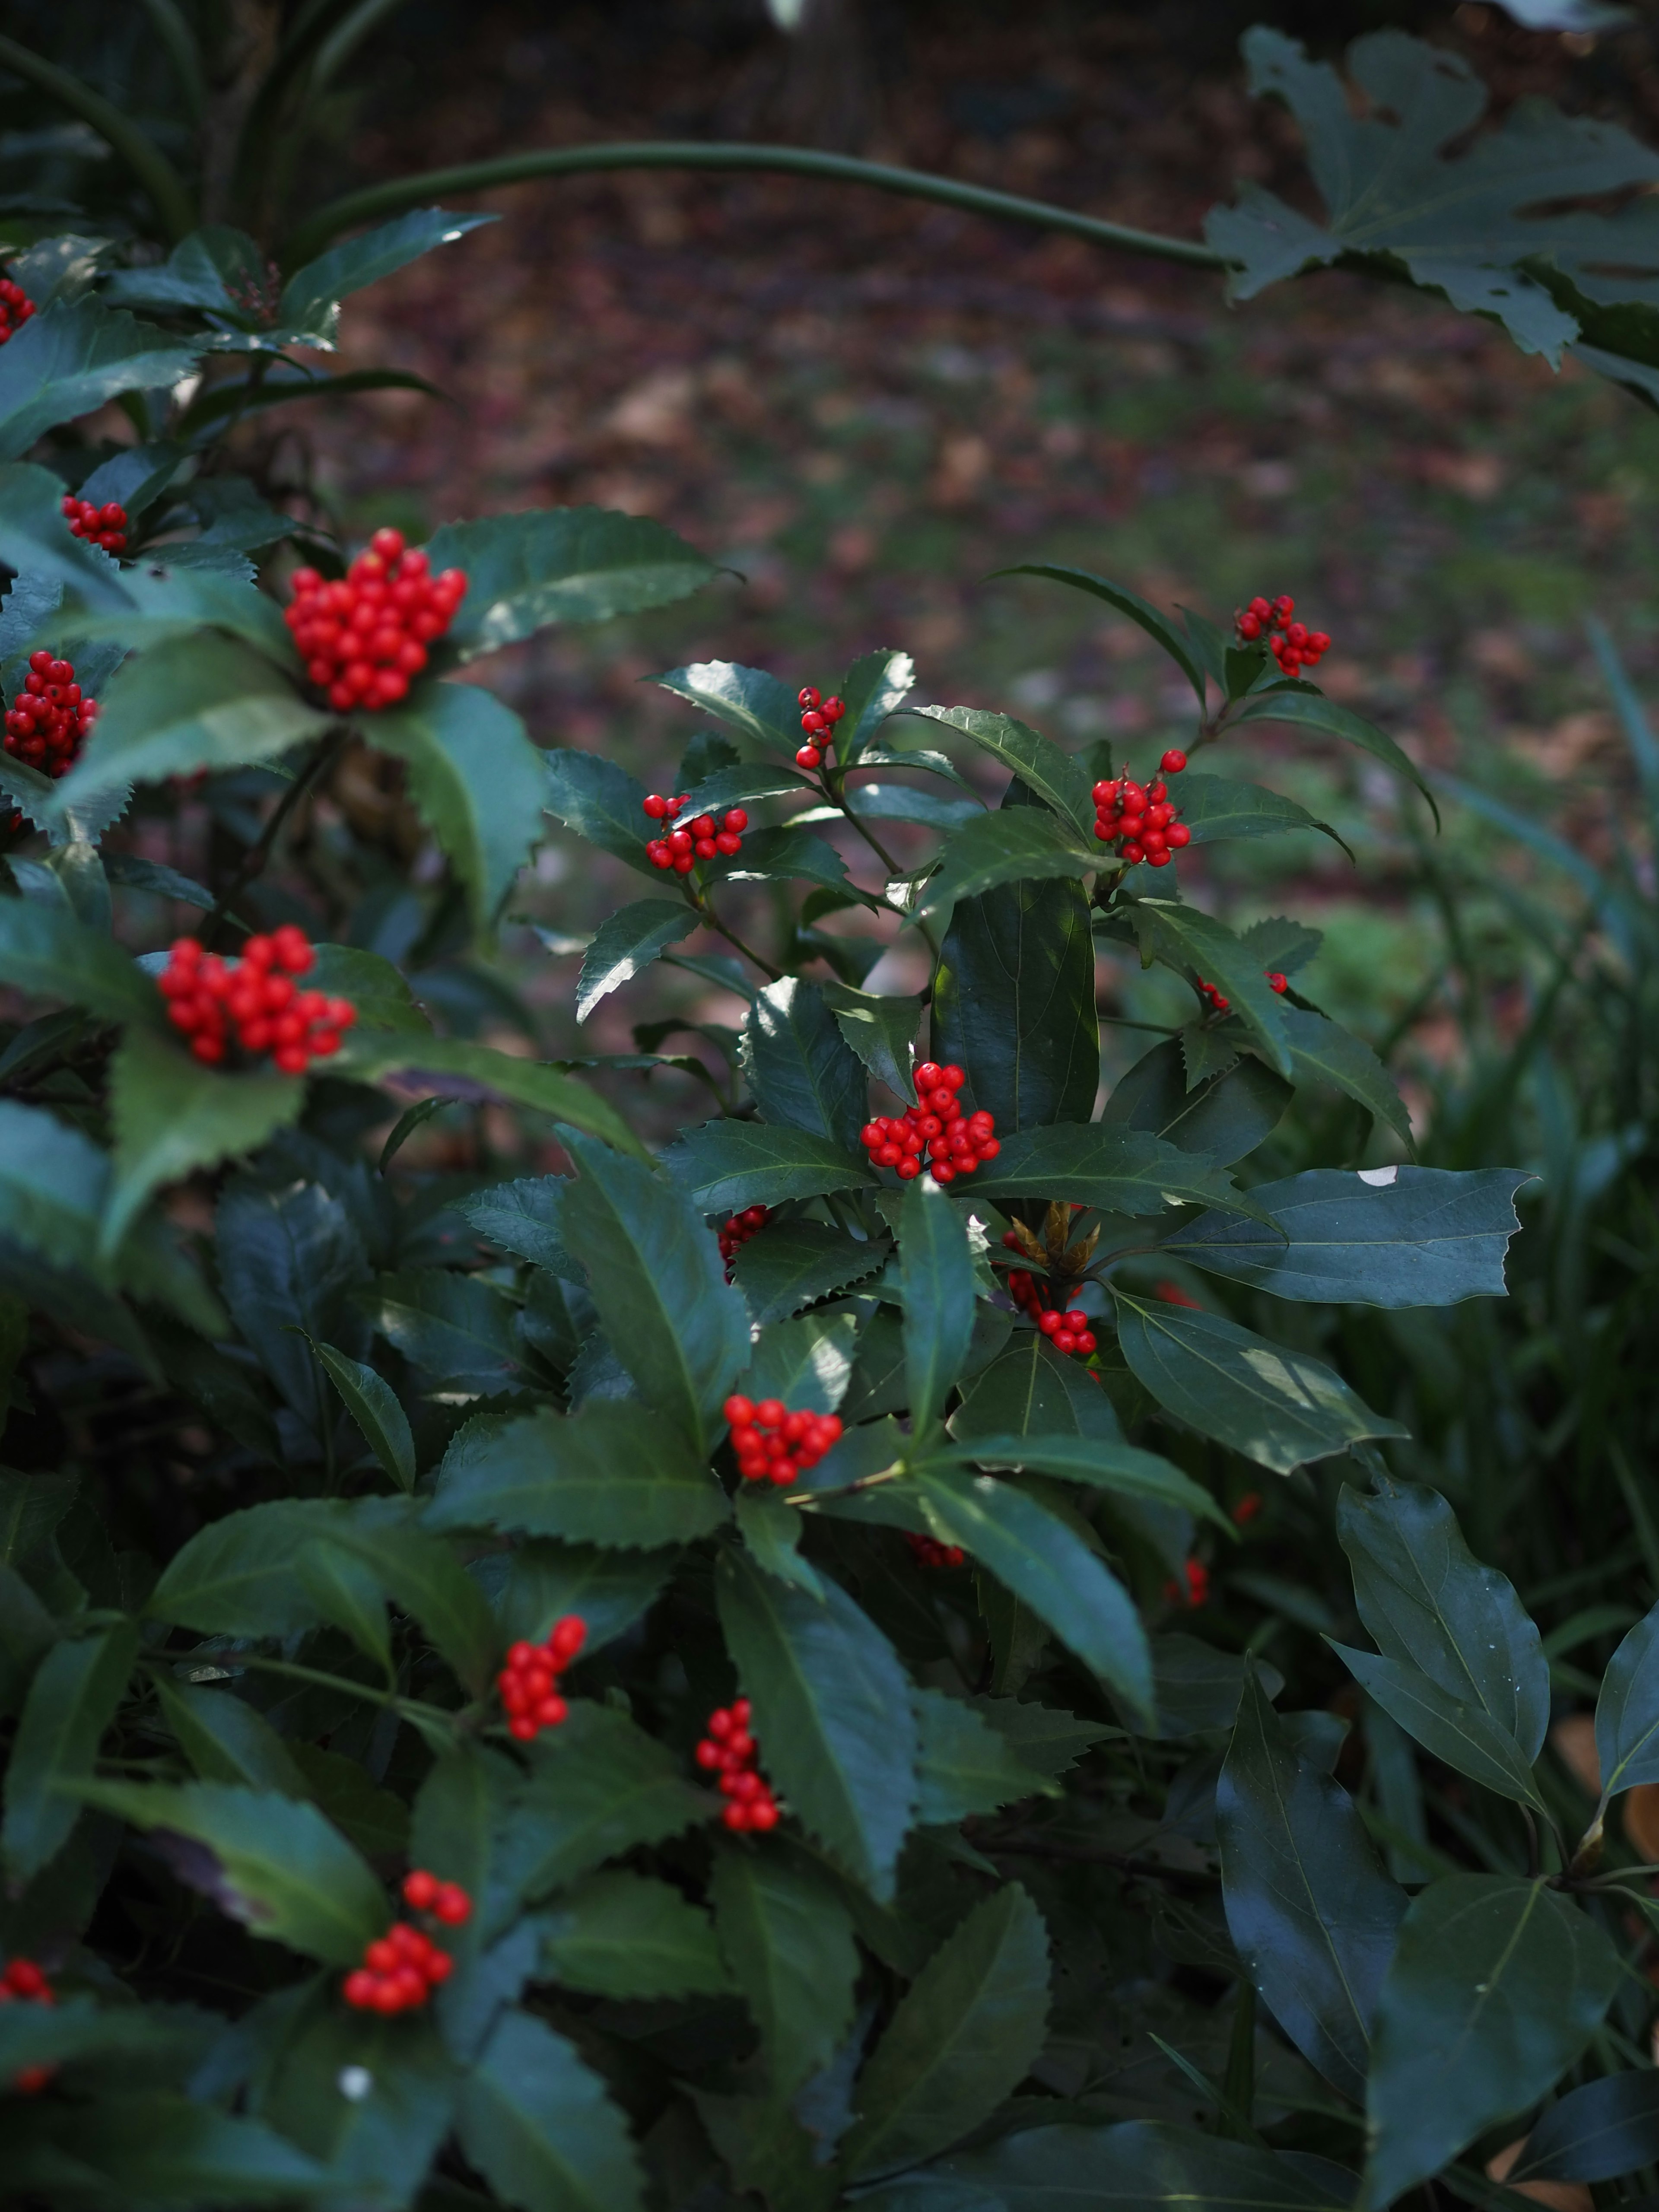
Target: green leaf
(626, 944)
(201, 701)
(1214, 807)
(1014, 997)
(1627, 1711)
(736, 784)
(726, 1165)
(1040, 764)
(793, 1263)
(424, 1579)
(288, 1259)
(226, 1739)
(570, 564)
(678, 1327)
(1140, 2166)
(1101, 1463)
(1038, 1560)
(772, 1531)
(539, 2127)
(34, 541)
(71, 1701)
(1199, 1687)
(237, 1578)
(1004, 847)
(479, 782)
(961, 2041)
(46, 952)
(174, 1115)
(609, 1589)
(1032, 1390)
(1322, 1051)
(154, 2146)
(347, 1594)
(936, 1272)
(881, 1031)
(781, 855)
(1429, 1602)
(746, 700)
(599, 801)
(1497, 1986)
(1276, 1406)
(787, 1944)
(1314, 1916)
(1226, 1117)
(162, 606)
(379, 2143)
(1423, 1236)
(1462, 1734)
(801, 1071)
(831, 1714)
(874, 687)
(966, 1765)
(312, 296)
(450, 1067)
(526, 1218)
(73, 357)
(807, 1362)
(598, 1786)
(624, 1935)
(1119, 1170)
(458, 1329)
(276, 1865)
(374, 1405)
(1197, 943)
(1594, 2134)
(1157, 626)
(612, 1474)
(1312, 710)
(377, 990)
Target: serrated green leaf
(1119, 1170)
(236, 1576)
(288, 1259)
(1197, 942)
(1322, 1051)
(479, 782)
(964, 1764)
(155, 2146)
(609, 1589)
(807, 1362)
(226, 1739)
(1157, 627)
(598, 1786)
(962, 2039)
(71, 357)
(771, 1531)
(571, 564)
(381, 2140)
(610, 1474)
(46, 952)
(35, 541)
(1003, 849)
(787, 1944)
(881, 1031)
(1627, 1710)
(726, 1165)
(451, 1067)
(1031, 1390)
(626, 944)
(792, 1264)
(803, 1073)
(874, 687)
(1276, 1406)
(936, 1272)
(524, 1218)
(831, 1714)
(746, 700)
(1314, 1916)
(1312, 710)
(312, 296)
(1102, 1463)
(1227, 1117)
(70, 1702)
(459, 1328)
(423, 1577)
(537, 2123)
(379, 992)
(736, 783)
(168, 605)
(1054, 776)
(785, 854)
(374, 1405)
(599, 801)
(1215, 807)
(624, 1935)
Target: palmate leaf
(70, 358)
(568, 564)
(612, 1474)
(1496, 1987)
(479, 782)
(725, 1165)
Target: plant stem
(732, 938)
(413, 1709)
(376, 202)
(323, 754)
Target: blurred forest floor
(863, 405)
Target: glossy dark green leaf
(374, 1405)
(1048, 1740)
(746, 700)
(626, 944)
(1093, 1164)
(1001, 848)
(787, 1944)
(831, 1713)
(1198, 1687)
(678, 1326)
(735, 783)
(1101, 1463)
(796, 1262)
(458, 1329)
(725, 1165)
(786, 854)
(1386, 1236)
(1324, 1052)
(807, 1362)
(1427, 1602)
(1314, 1916)
(612, 1474)
(597, 798)
(379, 992)
(598, 1786)
(311, 297)
(524, 1218)
(34, 541)
(1594, 2134)
(936, 1274)
(381, 2140)
(771, 1531)
(1226, 1117)
(72, 357)
(423, 1577)
(881, 1031)
(288, 1260)
(1462, 1734)
(1040, 764)
(455, 1067)
(962, 2039)
(609, 1589)
(874, 687)
(965, 1764)
(1199, 944)
(626, 1935)
(236, 1576)
(1312, 710)
(1497, 1986)
(539, 2126)
(1140, 2166)
(1031, 1389)
(478, 780)
(1276, 1406)
(1159, 627)
(47, 953)
(155, 2146)
(71, 1701)
(1627, 1711)
(803, 1073)
(560, 565)
(226, 1739)
(277, 1866)
(1039, 1560)
(1214, 807)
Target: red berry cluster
(529, 1683)
(401, 1969)
(256, 998)
(16, 309)
(736, 1232)
(928, 1552)
(817, 721)
(104, 525)
(1193, 1588)
(1247, 1508)
(934, 1132)
(775, 1445)
(363, 638)
(48, 722)
(700, 840)
(1140, 820)
(1068, 1332)
(23, 1979)
(1293, 645)
(730, 1751)
(1218, 1005)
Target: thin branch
(325, 754)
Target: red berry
(808, 697)
(809, 757)
(1173, 762)
(420, 1890)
